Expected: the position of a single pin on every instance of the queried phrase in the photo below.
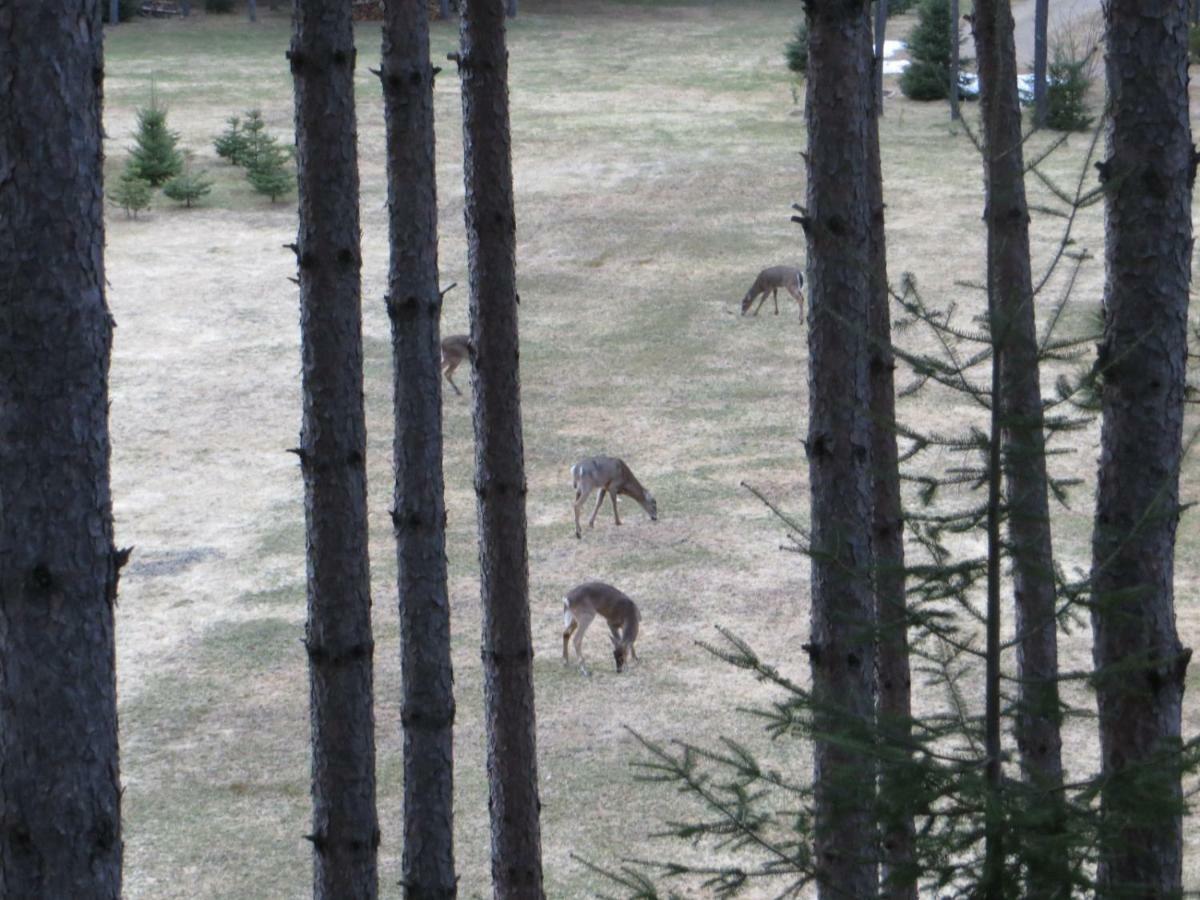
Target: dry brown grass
(656, 158)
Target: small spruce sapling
(132, 193)
(154, 156)
(188, 187)
(268, 174)
(233, 144)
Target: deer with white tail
(593, 598)
(613, 477)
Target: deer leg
(580, 500)
(584, 621)
(799, 295)
(613, 495)
(762, 298)
(599, 501)
(567, 632)
(452, 384)
(775, 297)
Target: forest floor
(657, 154)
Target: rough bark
(419, 511)
(954, 60)
(114, 12)
(839, 110)
(1140, 665)
(512, 9)
(881, 15)
(1015, 343)
(499, 455)
(1041, 24)
(60, 801)
(897, 831)
(443, 9)
(333, 455)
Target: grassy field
(656, 155)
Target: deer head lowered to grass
(771, 280)
(613, 477)
(592, 598)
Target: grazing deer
(613, 477)
(455, 349)
(583, 603)
(772, 279)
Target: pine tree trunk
(1015, 342)
(419, 514)
(1139, 661)
(60, 801)
(839, 111)
(954, 60)
(512, 9)
(252, 10)
(332, 452)
(1041, 24)
(443, 9)
(499, 455)
(881, 15)
(897, 831)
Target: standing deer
(613, 477)
(772, 279)
(583, 603)
(455, 349)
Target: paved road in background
(1063, 14)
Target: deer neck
(634, 490)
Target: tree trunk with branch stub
(59, 791)
(419, 512)
(1140, 664)
(499, 456)
(332, 453)
(1014, 341)
(839, 109)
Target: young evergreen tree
(930, 46)
(419, 513)
(1015, 345)
(59, 773)
(1140, 663)
(132, 194)
(332, 452)
(233, 143)
(154, 156)
(188, 187)
(839, 110)
(500, 487)
(268, 173)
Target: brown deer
(583, 603)
(772, 279)
(455, 349)
(613, 477)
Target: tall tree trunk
(1041, 24)
(1015, 343)
(419, 514)
(839, 111)
(1140, 665)
(499, 455)
(60, 801)
(252, 10)
(881, 15)
(332, 453)
(443, 9)
(185, 7)
(897, 831)
(954, 60)
(114, 12)
(512, 9)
